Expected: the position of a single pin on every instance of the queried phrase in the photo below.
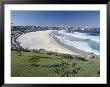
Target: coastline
(73, 49)
(42, 39)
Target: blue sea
(86, 40)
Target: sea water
(86, 40)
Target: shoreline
(73, 49)
(52, 42)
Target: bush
(69, 56)
(65, 69)
(34, 61)
(36, 51)
(13, 49)
(80, 58)
(50, 53)
(55, 65)
(41, 49)
(25, 50)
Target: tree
(65, 69)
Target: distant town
(16, 31)
(39, 28)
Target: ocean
(86, 40)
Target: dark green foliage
(65, 69)
(18, 51)
(51, 53)
(25, 50)
(68, 56)
(41, 49)
(55, 65)
(75, 69)
(80, 58)
(61, 55)
(21, 49)
(13, 49)
(35, 51)
(45, 66)
(34, 61)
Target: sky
(55, 18)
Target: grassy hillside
(41, 63)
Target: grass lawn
(21, 67)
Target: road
(14, 42)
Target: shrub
(34, 61)
(50, 53)
(13, 48)
(36, 51)
(65, 69)
(55, 65)
(41, 49)
(25, 50)
(80, 58)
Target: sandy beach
(42, 40)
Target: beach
(42, 40)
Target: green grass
(21, 67)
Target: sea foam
(83, 41)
